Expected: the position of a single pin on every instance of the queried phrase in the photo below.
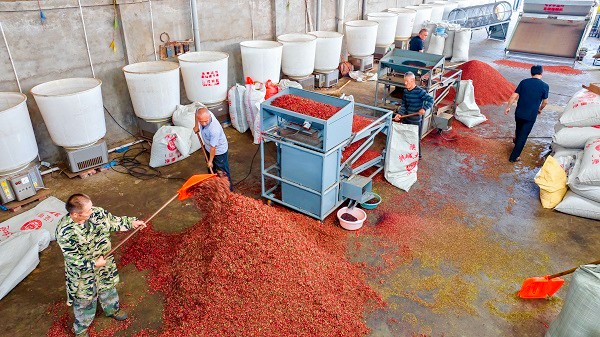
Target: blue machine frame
(315, 190)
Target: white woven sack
(436, 44)
(449, 43)
(558, 150)
(254, 95)
(577, 205)
(579, 314)
(591, 192)
(401, 162)
(430, 26)
(582, 110)
(460, 49)
(170, 144)
(467, 111)
(574, 136)
(185, 115)
(589, 172)
(237, 114)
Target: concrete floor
(448, 263)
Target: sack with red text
(401, 162)
(582, 110)
(170, 144)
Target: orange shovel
(182, 194)
(542, 287)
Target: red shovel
(542, 287)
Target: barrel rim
(361, 23)
(224, 56)
(382, 14)
(23, 97)
(282, 38)
(98, 83)
(401, 10)
(317, 32)
(274, 44)
(150, 72)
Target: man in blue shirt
(532, 95)
(414, 100)
(215, 142)
(417, 43)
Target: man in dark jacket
(417, 43)
(414, 100)
(532, 95)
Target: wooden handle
(204, 151)
(566, 272)
(409, 115)
(137, 229)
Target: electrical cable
(115, 120)
(133, 167)
(250, 170)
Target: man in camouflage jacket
(84, 238)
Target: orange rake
(182, 194)
(542, 287)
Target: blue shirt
(416, 44)
(532, 92)
(214, 136)
(413, 101)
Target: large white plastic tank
(153, 88)
(299, 52)
(72, 110)
(17, 141)
(386, 31)
(361, 37)
(423, 14)
(204, 76)
(329, 48)
(437, 12)
(261, 60)
(448, 7)
(406, 21)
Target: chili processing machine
(494, 17)
(552, 30)
(430, 74)
(310, 173)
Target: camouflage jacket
(81, 245)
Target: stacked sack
(448, 40)
(576, 145)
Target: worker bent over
(415, 101)
(84, 238)
(215, 142)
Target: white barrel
(261, 60)
(17, 141)
(386, 31)
(72, 110)
(423, 14)
(204, 76)
(299, 50)
(361, 37)
(448, 7)
(437, 12)
(329, 48)
(406, 21)
(153, 88)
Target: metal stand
(430, 75)
(362, 63)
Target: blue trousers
(221, 163)
(523, 128)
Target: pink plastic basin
(352, 225)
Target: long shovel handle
(137, 229)
(203, 150)
(409, 115)
(566, 272)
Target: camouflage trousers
(85, 310)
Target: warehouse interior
(445, 249)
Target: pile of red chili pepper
(249, 269)
(490, 86)
(305, 106)
(565, 70)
